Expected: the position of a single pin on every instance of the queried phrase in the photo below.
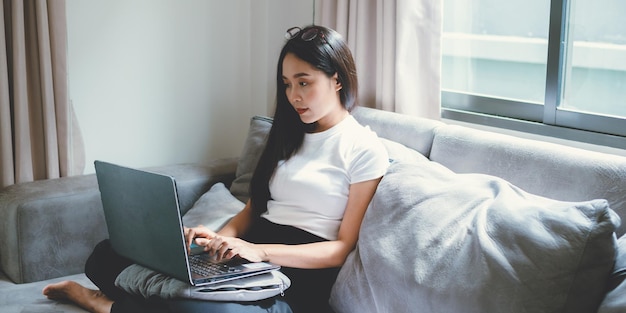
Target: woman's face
(312, 94)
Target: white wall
(157, 82)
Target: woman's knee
(103, 266)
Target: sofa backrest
(413, 132)
(546, 169)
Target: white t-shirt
(310, 190)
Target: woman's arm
(314, 255)
(238, 225)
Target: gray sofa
(465, 221)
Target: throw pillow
(213, 209)
(615, 301)
(252, 149)
(436, 241)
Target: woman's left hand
(226, 248)
(192, 233)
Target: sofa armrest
(48, 228)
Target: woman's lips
(301, 111)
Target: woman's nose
(294, 96)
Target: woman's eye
(303, 84)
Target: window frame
(543, 119)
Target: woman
(309, 192)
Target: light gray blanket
(436, 241)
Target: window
(504, 65)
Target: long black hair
(325, 50)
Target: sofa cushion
(438, 241)
(252, 149)
(28, 298)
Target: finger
(231, 253)
(202, 231)
(220, 247)
(223, 251)
(203, 241)
(189, 234)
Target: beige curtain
(39, 137)
(397, 50)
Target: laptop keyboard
(202, 264)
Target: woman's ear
(338, 85)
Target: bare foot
(91, 300)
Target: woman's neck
(330, 121)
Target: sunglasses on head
(306, 34)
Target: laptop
(143, 218)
